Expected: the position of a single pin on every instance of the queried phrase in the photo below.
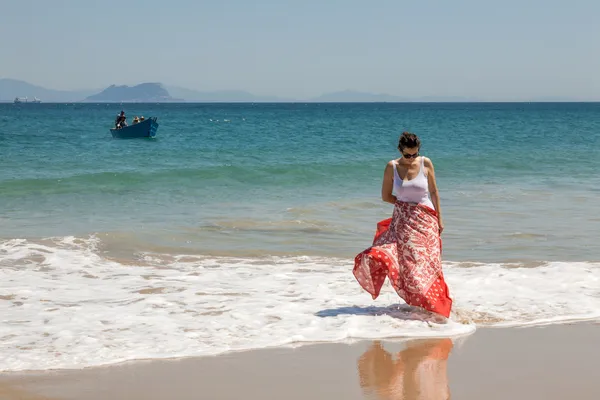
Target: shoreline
(549, 362)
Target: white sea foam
(64, 305)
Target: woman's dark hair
(408, 141)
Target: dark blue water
(214, 166)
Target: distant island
(223, 96)
(159, 93)
(13, 88)
(142, 93)
(149, 92)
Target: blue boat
(143, 129)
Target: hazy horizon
(303, 49)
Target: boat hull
(144, 129)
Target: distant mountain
(142, 93)
(222, 96)
(557, 99)
(350, 96)
(11, 88)
(156, 92)
(445, 99)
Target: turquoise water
(518, 181)
(236, 227)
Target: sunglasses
(410, 155)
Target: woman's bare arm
(388, 184)
(433, 191)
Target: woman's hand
(441, 226)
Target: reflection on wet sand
(8, 392)
(416, 373)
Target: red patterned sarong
(407, 249)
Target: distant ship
(25, 100)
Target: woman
(407, 247)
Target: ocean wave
(312, 226)
(66, 304)
(169, 178)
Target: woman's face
(410, 153)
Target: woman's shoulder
(390, 166)
(428, 165)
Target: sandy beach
(550, 362)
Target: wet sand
(552, 362)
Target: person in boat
(121, 120)
(407, 247)
(141, 118)
(136, 120)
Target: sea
(236, 227)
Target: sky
(492, 50)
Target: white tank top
(415, 190)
